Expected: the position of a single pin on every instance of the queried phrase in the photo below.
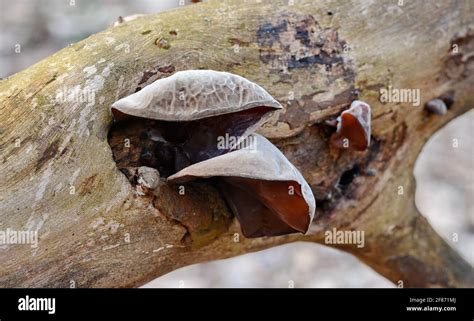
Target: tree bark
(59, 177)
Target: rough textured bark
(314, 57)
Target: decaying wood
(59, 176)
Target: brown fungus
(265, 191)
(184, 115)
(199, 124)
(437, 106)
(353, 127)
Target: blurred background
(445, 194)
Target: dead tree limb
(59, 177)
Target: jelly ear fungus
(353, 127)
(186, 113)
(265, 191)
(177, 123)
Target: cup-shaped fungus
(197, 124)
(437, 106)
(353, 127)
(264, 190)
(193, 108)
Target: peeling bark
(59, 177)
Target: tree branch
(59, 177)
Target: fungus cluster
(200, 124)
